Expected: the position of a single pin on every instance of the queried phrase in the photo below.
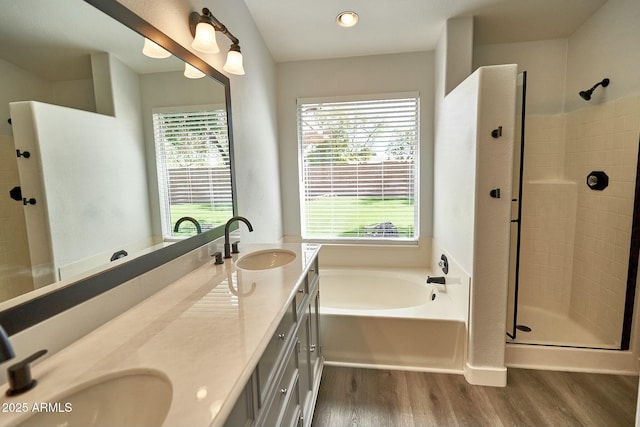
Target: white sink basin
(266, 259)
(131, 398)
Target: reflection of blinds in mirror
(194, 174)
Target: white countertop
(205, 333)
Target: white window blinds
(194, 173)
(358, 168)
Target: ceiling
(297, 30)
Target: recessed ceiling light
(347, 19)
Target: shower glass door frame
(516, 207)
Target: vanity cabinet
(311, 361)
(283, 388)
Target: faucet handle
(19, 375)
(218, 256)
(234, 247)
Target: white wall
(253, 100)
(455, 172)
(606, 45)
(545, 62)
(352, 76)
(453, 58)
(458, 51)
(468, 223)
(19, 85)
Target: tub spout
(439, 280)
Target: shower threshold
(549, 328)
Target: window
(358, 167)
(194, 171)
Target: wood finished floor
(378, 398)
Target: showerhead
(586, 94)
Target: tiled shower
(575, 241)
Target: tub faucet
(439, 280)
(187, 218)
(227, 245)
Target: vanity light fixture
(203, 29)
(192, 72)
(347, 19)
(154, 50)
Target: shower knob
(597, 180)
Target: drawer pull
(283, 391)
(281, 336)
(312, 348)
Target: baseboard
(494, 377)
(392, 367)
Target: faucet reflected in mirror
(188, 219)
(6, 350)
(227, 245)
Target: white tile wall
(604, 138)
(575, 241)
(547, 239)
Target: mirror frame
(40, 308)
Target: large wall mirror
(115, 140)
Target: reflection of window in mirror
(194, 174)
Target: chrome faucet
(187, 218)
(227, 245)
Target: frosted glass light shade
(192, 72)
(205, 39)
(234, 63)
(153, 50)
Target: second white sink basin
(130, 398)
(266, 259)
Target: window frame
(163, 204)
(370, 240)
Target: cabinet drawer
(268, 364)
(293, 411)
(285, 392)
